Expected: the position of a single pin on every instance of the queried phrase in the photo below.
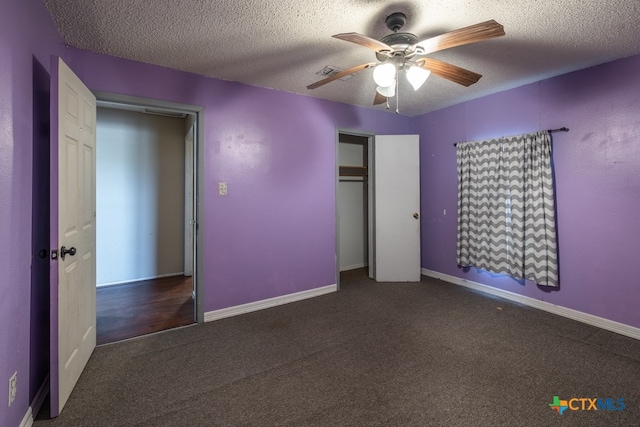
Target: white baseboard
(141, 279)
(580, 316)
(353, 266)
(38, 401)
(210, 316)
(27, 420)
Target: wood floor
(139, 308)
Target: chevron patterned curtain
(506, 213)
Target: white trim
(141, 279)
(590, 319)
(353, 266)
(36, 404)
(210, 316)
(27, 420)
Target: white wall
(351, 210)
(140, 196)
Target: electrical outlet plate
(13, 387)
(222, 188)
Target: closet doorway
(378, 207)
(145, 181)
(354, 211)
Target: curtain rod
(562, 129)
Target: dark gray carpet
(372, 354)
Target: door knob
(416, 215)
(64, 251)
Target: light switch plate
(13, 387)
(222, 188)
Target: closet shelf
(353, 171)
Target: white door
(73, 180)
(397, 208)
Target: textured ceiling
(281, 44)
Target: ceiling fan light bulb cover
(417, 76)
(388, 91)
(384, 74)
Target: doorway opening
(146, 209)
(354, 205)
(378, 206)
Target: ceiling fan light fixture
(388, 91)
(384, 74)
(417, 76)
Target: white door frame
(370, 208)
(189, 185)
(198, 111)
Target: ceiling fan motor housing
(402, 44)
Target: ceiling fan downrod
(396, 21)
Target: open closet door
(397, 208)
(73, 231)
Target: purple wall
(274, 233)
(27, 38)
(597, 173)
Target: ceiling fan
(403, 52)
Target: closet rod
(562, 129)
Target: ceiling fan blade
(379, 99)
(340, 75)
(450, 72)
(365, 41)
(471, 34)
